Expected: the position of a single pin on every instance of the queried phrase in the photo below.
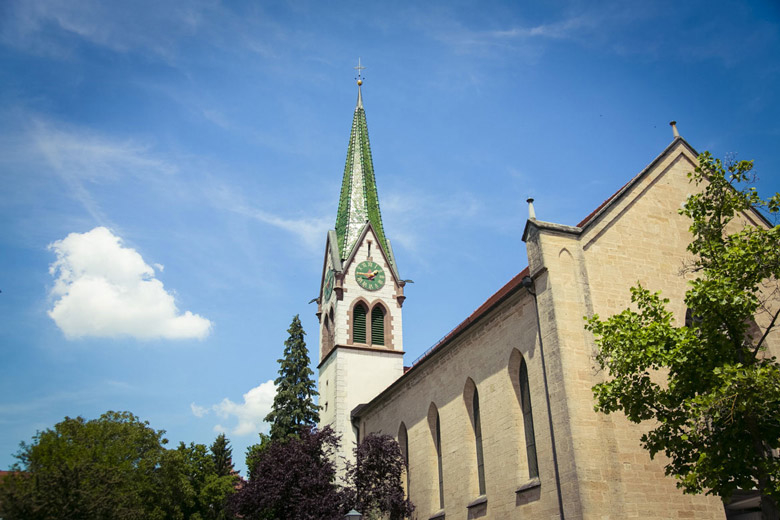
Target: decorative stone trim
(438, 515)
(533, 483)
(359, 347)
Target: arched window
(478, 439)
(326, 335)
(435, 425)
(359, 323)
(332, 336)
(378, 325)
(528, 420)
(403, 443)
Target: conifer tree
(222, 454)
(293, 407)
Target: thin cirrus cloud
(249, 414)
(103, 289)
(45, 26)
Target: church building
(497, 419)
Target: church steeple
(361, 297)
(359, 202)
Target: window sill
(438, 515)
(481, 499)
(533, 483)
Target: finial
(359, 68)
(673, 124)
(531, 212)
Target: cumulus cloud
(249, 414)
(103, 289)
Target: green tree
(293, 407)
(103, 468)
(253, 454)
(197, 490)
(223, 455)
(710, 387)
(114, 467)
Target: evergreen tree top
(293, 407)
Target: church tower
(361, 295)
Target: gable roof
(387, 254)
(593, 216)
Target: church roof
(359, 202)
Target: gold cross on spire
(358, 69)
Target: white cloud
(104, 289)
(249, 414)
(48, 26)
(309, 230)
(81, 158)
(198, 411)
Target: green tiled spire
(359, 202)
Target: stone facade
(636, 236)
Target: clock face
(328, 288)
(370, 275)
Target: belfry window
(378, 325)
(528, 421)
(359, 323)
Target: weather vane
(359, 76)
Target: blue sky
(170, 171)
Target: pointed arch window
(403, 443)
(528, 420)
(359, 323)
(378, 325)
(435, 429)
(325, 336)
(331, 330)
(478, 440)
(438, 461)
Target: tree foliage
(115, 466)
(294, 478)
(253, 454)
(293, 409)
(711, 387)
(375, 477)
(222, 454)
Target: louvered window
(359, 324)
(378, 325)
(528, 420)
